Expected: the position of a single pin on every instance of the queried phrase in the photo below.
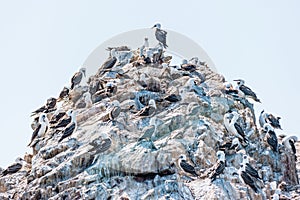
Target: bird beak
(153, 27)
(236, 80)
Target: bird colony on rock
(141, 128)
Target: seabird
(99, 146)
(228, 89)
(112, 112)
(70, 128)
(249, 169)
(77, 77)
(109, 63)
(49, 107)
(188, 66)
(147, 110)
(161, 35)
(246, 90)
(86, 102)
(14, 167)
(192, 84)
(63, 94)
(65, 121)
(246, 178)
(289, 143)
(269, 118)
(56, 117)
(220, 165)
(149, 131)
(233, 127)
(271, 137)
(186, 167)
(173, 98)
(230, 145)
(41, 128)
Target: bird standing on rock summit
(220, 165)
(147, 110)
(77, 77)
(14, 167)
(271, 137)
(161, 35)
(186, 167)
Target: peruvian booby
(147, 110)
(192, 84)
(77, 77)
(269, 118)
(220, 165)
(161, 35)
(271, 137)
(99, 146)
(70, 128)
(246, 90)
(65, 121)
(120, 48)
(48, 107)
(246, 178)
(115, 110)
(14, 167)
(56, 117)
(228, 89)
(41, 128)
(230, 145)
(289, 143)
(63, 94)
(173, 98)
(188, 66)
(86, 102)
(149, 131)
(249, 169)
(109, 63)
(186, 167)
(233, 127)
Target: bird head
(221, 155)
(43, 118)
(83, 71)
(115, 103)
(184, 61)
(240, 81)
(152, 103)
(182, 157)
(69, 112)
(235, 141)
(157, 25)
(245, 159)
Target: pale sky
(42, 44)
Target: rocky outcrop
(108, 159)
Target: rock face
(131, 151)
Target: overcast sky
(42, 44)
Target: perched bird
(173, 98)
(41, 128)
(246, 91)
(109, 63)
(14, 167)
(99, 146)
(271, 137)
(269, 118)
(160, 35)
(230, 145)
(188, 66)
(77, 77)
(228, 89)
(63, 94)
(219, 166)
(149, 131)
(112, 112)
(186, 167)
(246, 178)
(65, 121)
(192, 84)
(289, 143)
(56, 117)
(249, 169)
(85, 102)
(147, 110)
(70, 128)
(233, 127)
(48, 107)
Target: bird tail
(60, 139)
(72, 86)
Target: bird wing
(273, 121)
(57, 117)
(109, 63)
(247, 91)
(187, 167)
(115, 112)
(250, 170)
(63, 122)
(173, 98)
(105, 145)
(64, 93)
(161, 36)
(248, 180)
(12, 169)
(239, 129)
(144, 111)
(293, 146)
(51, 103)
(76, 78)
(272, 140)
(68, 131)
(41, 109)
(148, 131)
(35, 133)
